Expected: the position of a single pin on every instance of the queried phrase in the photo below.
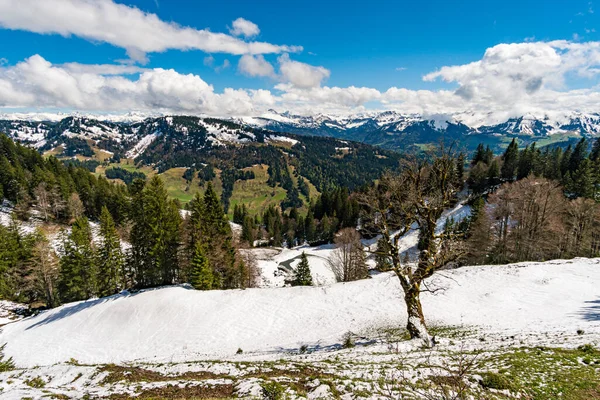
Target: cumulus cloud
(127, 27)
(299, 74)
(243, 27)
(255, 66)
(37, 83)
(510, 80)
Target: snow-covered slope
(177, 323)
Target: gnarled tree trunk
(416, 320)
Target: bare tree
(415, 199)
(45, 271)
(529, 220)
(75, 206)
(348, 260)
(583, 220)
(42, 200)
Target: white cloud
(401, 69)
(123, 26)
(209, 61)
(255, 66)
(37, 83)
(509, 80)
(299, 74)
(226, 64)
(243, 27)
(103, 69)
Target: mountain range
(387, 129)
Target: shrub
(36, 383)
(272, 390)
(492, 380)
(586, 348)
(6, 364)
(348, 341)
(239, 351)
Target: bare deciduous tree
(75, 206)
(415, 199)
(348, 260)
(528, 216)
(42, 200)
(45, 271)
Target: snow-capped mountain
(132, 136)
(392, 122)
(389, 129)
(398, 131)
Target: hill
(536, 322)
(188, 151)
(181, 324)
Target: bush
(493, 380)
(239, 351)
(348, 341)
(586, 348)
(6, 364)
(272, 390)
(36, 383)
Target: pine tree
(248, 230)
(595, 155)
(479, 155)
(78, 266)
(583, 180)
(201, 272)
(488, 155)
(524, 166)
(579, 154)
(155, 235)
(303, 276)
(511, 160)
(310, 230)
(494, 173)
(111, 276)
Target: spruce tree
(488, 155)
(511, 160)
(494, 173)
(479, 155)
(595, 155)
(78, 266)
(583, 180)
(579, 154)
(524, 165)
(303, 276)
(111, 277)
(248, 230)
(201, 272)
(155, 235)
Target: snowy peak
(392, 122)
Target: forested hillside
(250, 166)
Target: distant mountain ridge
(389, 129)
(398, 131)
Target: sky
(469, 60)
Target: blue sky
(376, 45)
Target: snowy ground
(172, 329)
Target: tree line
(534, 204)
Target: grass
(256, 194)
(548, 374)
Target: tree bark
(416, 320)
